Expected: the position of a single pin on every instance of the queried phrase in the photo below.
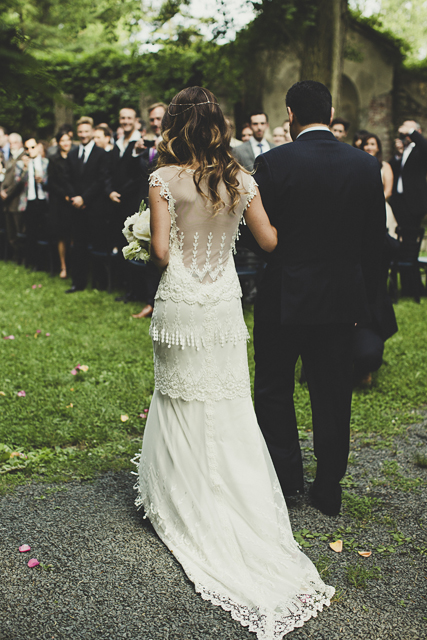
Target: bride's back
(202, 238)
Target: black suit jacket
(89, 181)
(326, 200)
(414, 178)
(124, 176)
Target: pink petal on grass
(24, 547)
(8, 337)
(40, 286)
(73, 372)
(38, 331)
(33, 286)
(21, 394)
(33, 563)
(47, 335)
(124, 417)
(142, 415)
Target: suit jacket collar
(320, 134)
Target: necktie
(34, 179)
(152, 153)
(82, 159)
(260, 147)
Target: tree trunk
(322, 57)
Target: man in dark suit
(247, 152)
(409, 197)
(85, 173)
(326, 200)
(123, 184)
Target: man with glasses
(31, 180)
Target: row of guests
(81, 193)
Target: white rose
(141, 227)
(127, 229)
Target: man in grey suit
(257, 144)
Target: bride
(205, 478)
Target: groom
(326, 200)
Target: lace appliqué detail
(268, 624)
(251, 195)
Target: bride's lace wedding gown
(206, 480)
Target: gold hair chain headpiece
(189, 105)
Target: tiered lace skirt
(206, 480)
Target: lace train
(222, 514)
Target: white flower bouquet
(137, 233)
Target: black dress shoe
(73, 289)
(328, 506)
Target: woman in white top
(205, 477)
(372, 145)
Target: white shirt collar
(86, 149)
(121, 141)
(256, 148)
(320, 128)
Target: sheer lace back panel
(204, 241)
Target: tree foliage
(405, 20)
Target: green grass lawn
(73, 426)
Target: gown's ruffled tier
(205, 477)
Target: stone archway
(349, 105)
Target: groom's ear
(290, 114)
(332, 115)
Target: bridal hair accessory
(189, 105)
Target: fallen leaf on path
(33, 563)
(365, 554)
(336, 546)
(24, 547)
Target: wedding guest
(247, 153)
(279, 136)
(358, 137)
(409, 198)
(286, 129)
(4, 143)
(372, 145)
(10, 194)
(148, 159)
(31, 178)
(102, 136)
(339, 127)
(123, 184)
(85, 174)
(246, 132)
(60, 210)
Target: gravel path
(112, 579)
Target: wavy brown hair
(196, 135)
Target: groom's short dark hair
(310, 101)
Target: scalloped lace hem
(271, 625)
(267, 624)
